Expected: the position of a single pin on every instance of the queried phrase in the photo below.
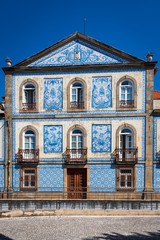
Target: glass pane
(77, 84)
(122, 90)
(73, 145)
(32, 181)
(77, 131)
(129, 184)
(122, 183)
(122, 96)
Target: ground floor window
(125, 178)
(29, 178)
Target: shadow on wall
(132, 236)
(3, 237)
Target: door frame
(77, 167)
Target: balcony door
(126, 94)
(29, 144)
(76, 144)
(29, 97)
(126, 144)
(77, 183)
(77, 100)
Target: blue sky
(29, 26)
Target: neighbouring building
(80, 124)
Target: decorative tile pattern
(102, 178)
(2, 178)
(155, 150)
(16, 178)
(142, 119)
(52, 139)
(50, 178)
(77, 53)
(53, 99)
(156, 177)
(2, 136)
(140, 177)
(102, 92)
(101, 138)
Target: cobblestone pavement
(80, 228)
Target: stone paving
(80, 228)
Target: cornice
(76, 68)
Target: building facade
(79, 124)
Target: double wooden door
(77, 183)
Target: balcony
(75, 156)
(28, 156)
(29, 106)
(126, 103)
(77, 105)
(125, 156)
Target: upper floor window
(29, 97)
(76, 139)
(126, 138)
(76, 151)
(29, 140)
(126, 95)
(77, 95)
(28, 151)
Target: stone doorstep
(73, 212)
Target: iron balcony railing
(28, 156)
(77, 105)
(75, 156)
(126, 103)
(29, 106)
(124, 156)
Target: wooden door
(77, 183)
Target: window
(125, 178)
(77, 95)
(29, 139)
(126, 95)
(126, 138)
(76, 139)
(29, 102)
(29, 178)
(29, 145)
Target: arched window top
(77, 131)
(127, 83)
(77, 84)
(29, 132)
(126, 131)
(29, 86)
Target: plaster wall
(156, 104)
(87, 77)
(137, 123)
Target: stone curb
(31, 213)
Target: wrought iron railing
(29, 106)
(77, 105)
(126, 103)
(27, 156)
(75, 156)
(124, 156)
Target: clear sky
(29, 26)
